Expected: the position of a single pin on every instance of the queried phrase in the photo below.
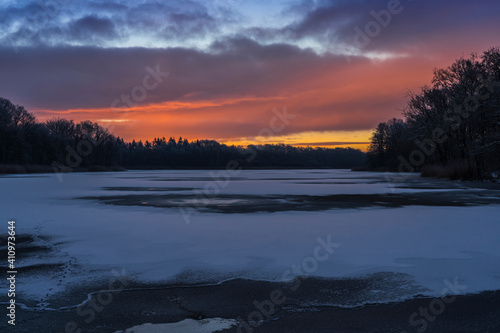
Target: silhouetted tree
(455, 122)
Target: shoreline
(258, 307)
(46, 169)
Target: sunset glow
(221, 71)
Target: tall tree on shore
(455, 121)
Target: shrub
(12, 168)
(456, 170)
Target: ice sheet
(431, 244)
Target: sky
(301, 72)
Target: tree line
(63, 145)
(449, 129)
(212, 154)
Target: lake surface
(184, 227)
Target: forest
(61, 145)
(450, 129)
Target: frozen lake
(210, 226)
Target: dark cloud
(331, 24)
(232, 88)
(108, 22)
(187, 25)
(92, 28)
(171, 19)
(65, 77)
(108, 6)
(414, 26)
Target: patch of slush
(186, 326)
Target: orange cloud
(332, 105)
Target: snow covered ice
(89, 239)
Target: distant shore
(12, 169)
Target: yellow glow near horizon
(331, 139)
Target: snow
(431, 244)
(187, 325)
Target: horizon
(303, 73)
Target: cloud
(224, 78)
(240, 67)
(423, 26)
(225, 92)
(330, 143)
(92, 29)
(110, 23)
